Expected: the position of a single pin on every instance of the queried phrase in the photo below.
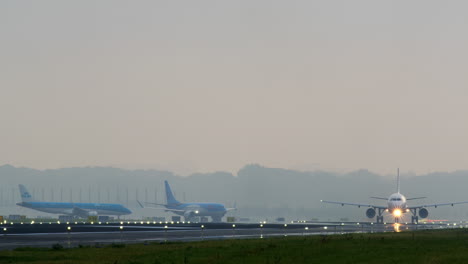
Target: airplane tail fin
(398, 180)
(171, 200)
(25, 194)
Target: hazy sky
(198, 86)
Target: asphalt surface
(86, 234)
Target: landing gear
(189, 219)
(216, 219)
(379, 218)
(414, 217)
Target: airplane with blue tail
(74, 209)
(190, 210)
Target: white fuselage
(395, 202)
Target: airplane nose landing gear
(380, 219)
(414, 217)
(380, 216)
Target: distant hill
(258, 191)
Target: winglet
(233, 208)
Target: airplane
(396, 206)
(190, 210)
(73, 209)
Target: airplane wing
(415, 198)
(354, 204)
(435, 205)
(153, 203)
(159, 208)
(166, 209)
(80, 212)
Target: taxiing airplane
(73, 209)
(396, 206)
(190, 210)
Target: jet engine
(423, 213)
(92, 213)
(370, 212)
(190, 214)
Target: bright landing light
(397, 212)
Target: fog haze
(203, 86)
(258, 192)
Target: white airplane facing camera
(396, 206)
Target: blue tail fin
(171, 200)
(25, 194)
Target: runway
(87, 234)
